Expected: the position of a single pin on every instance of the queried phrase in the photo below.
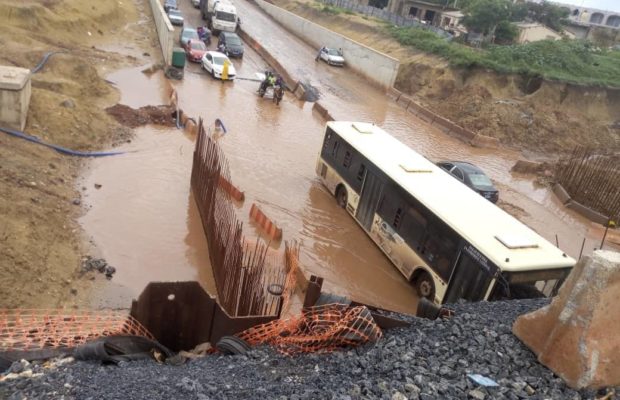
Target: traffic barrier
(484, 141)
(300, 91)
(29, 329)
(430, 117)
(561, 193)
(587, 212)
(403, 101)
(231, 189)
(323, 112)
(265, 223)
(394, 94)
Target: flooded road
(143, 219)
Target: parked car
(195, 50)
(196, 3)
(213, 62)
(188, 34)
(230, 44)
(473, 177)
(175, 17)
(169, 4)
(331, 56)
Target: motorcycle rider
(269, 80)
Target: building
(429, 13)
(591, 16)
(600, 26)
(533, 32)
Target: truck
(221, 15)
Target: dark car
(473, 177)
(230, 44)
(168, 4)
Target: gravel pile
(428, 360)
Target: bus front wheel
(341, 196)
(425, 286)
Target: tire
(261, 92)
(213, 74)
(425, 286)
(232, 345)
(341, 197)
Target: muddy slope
(529, 114)
(40, 243)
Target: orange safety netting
(26, 329)
(318, 329)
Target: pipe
(60, 149)
(46, 56)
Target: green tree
(548, 14)
(506, 32)
(493, 18)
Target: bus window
(335, 149)
(361, 172)
(413, 228)
(347, 159)
(439, 249)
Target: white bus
(446, 239)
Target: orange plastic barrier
(26, 329)
(265, 223)
(318, 329)
(231, 189)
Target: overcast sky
(612, 5)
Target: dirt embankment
(532, 114)
(40, 243)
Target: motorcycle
(275, 91)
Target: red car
(195, 49)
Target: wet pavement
(143, 219)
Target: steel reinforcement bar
(242, 272)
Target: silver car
(175, 17)
(332, 56)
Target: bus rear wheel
(425, 286)
(341, 196)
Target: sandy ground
(539, 116)
(41, 245)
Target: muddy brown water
(143, 219)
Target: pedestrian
(318, 56)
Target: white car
(213, 63)
(332, 56)
(196, 3)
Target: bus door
(369, 199)
(471, 277)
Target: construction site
(168, 234)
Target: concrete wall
(165, 30)
(376, 66)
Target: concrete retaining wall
(165, 30)
(427, 115)
(374, 65)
